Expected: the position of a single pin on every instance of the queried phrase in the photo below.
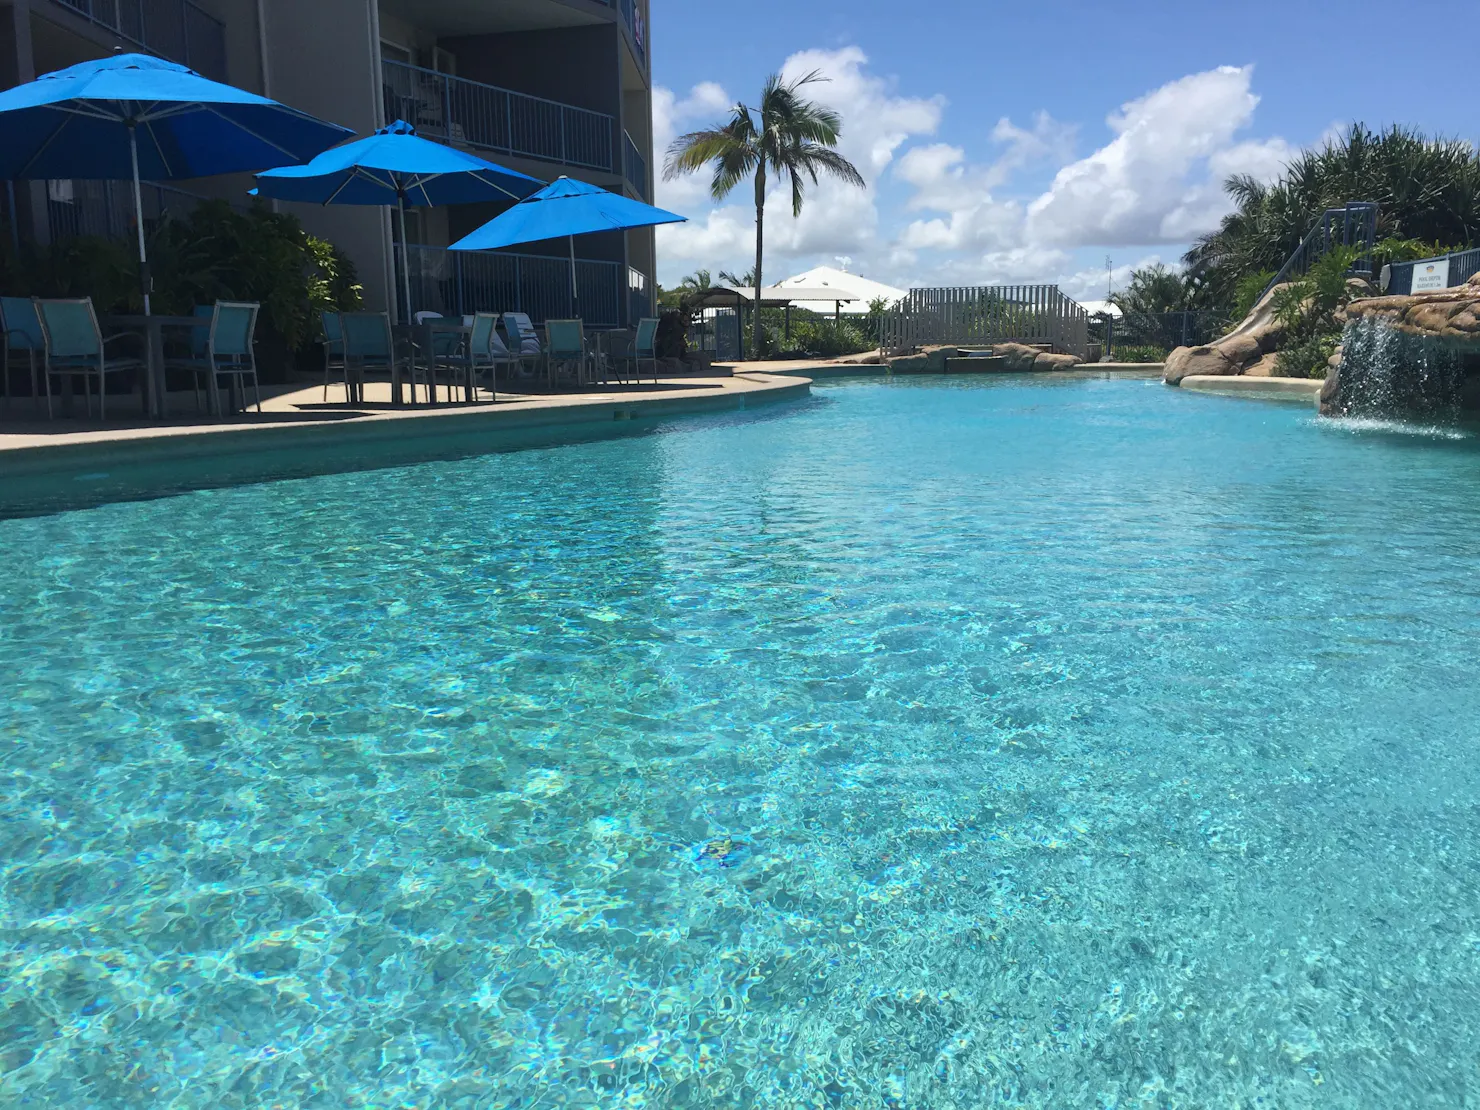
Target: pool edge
(139, 467)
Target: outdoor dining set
(466, 349)
(63, 345)
(139, 117)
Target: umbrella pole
(133, 153)
(405, 255)
(575, 296)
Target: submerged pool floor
(939, 744)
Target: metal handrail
(106, 208)
(493, 118)
(1358, 219)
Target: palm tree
(790, 136)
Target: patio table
(153, 389)
(423, 339)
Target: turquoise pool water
(926, 745)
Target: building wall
(323, 56)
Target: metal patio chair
(487, 350)
(22, 333)
(228, 350)
(369, 344)
(75, 347)
(333, 344)
(523, 342)
(644, 347)
(565, 348)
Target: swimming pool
(934, 744)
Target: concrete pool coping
(1285, 389)
(817, 370)
(50, 467)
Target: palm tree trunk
(760, 229)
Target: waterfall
(1386, 372)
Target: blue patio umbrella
(396, 166)
(564, 209)
(135, 116)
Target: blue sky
(1027, 142)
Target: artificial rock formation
(1444, 313)
(1018, 358)
(1418, 352)
(1245, 347)
(1022, 358)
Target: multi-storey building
(548, 87)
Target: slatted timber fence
(980, 315)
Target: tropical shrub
(214, 253)
(1427, 189)
(1307, 358)
(671, 339)
(1138, 353)
(220, 253)
(1246, 294)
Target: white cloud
(1023, 209)
(945, 182)
(1149, 184)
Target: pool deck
(49, 464)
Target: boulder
(1266, 367)
(1329, 390)
(1474, 278)
(1047, 361)
(930, 360)
(1187, 361)
(1259, 334)
(1449, 313)
(1020, 357)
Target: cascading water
(1386, 372)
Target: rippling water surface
(932, 745)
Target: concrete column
(324, 57)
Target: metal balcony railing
(106, 208)
(173, 29)
(634, 165)
(485, 116)
(458, 283)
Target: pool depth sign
(1431, 275)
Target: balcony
(458, 283)
(634, 166)
(490, 118)
(173, 29)
(632, 17)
